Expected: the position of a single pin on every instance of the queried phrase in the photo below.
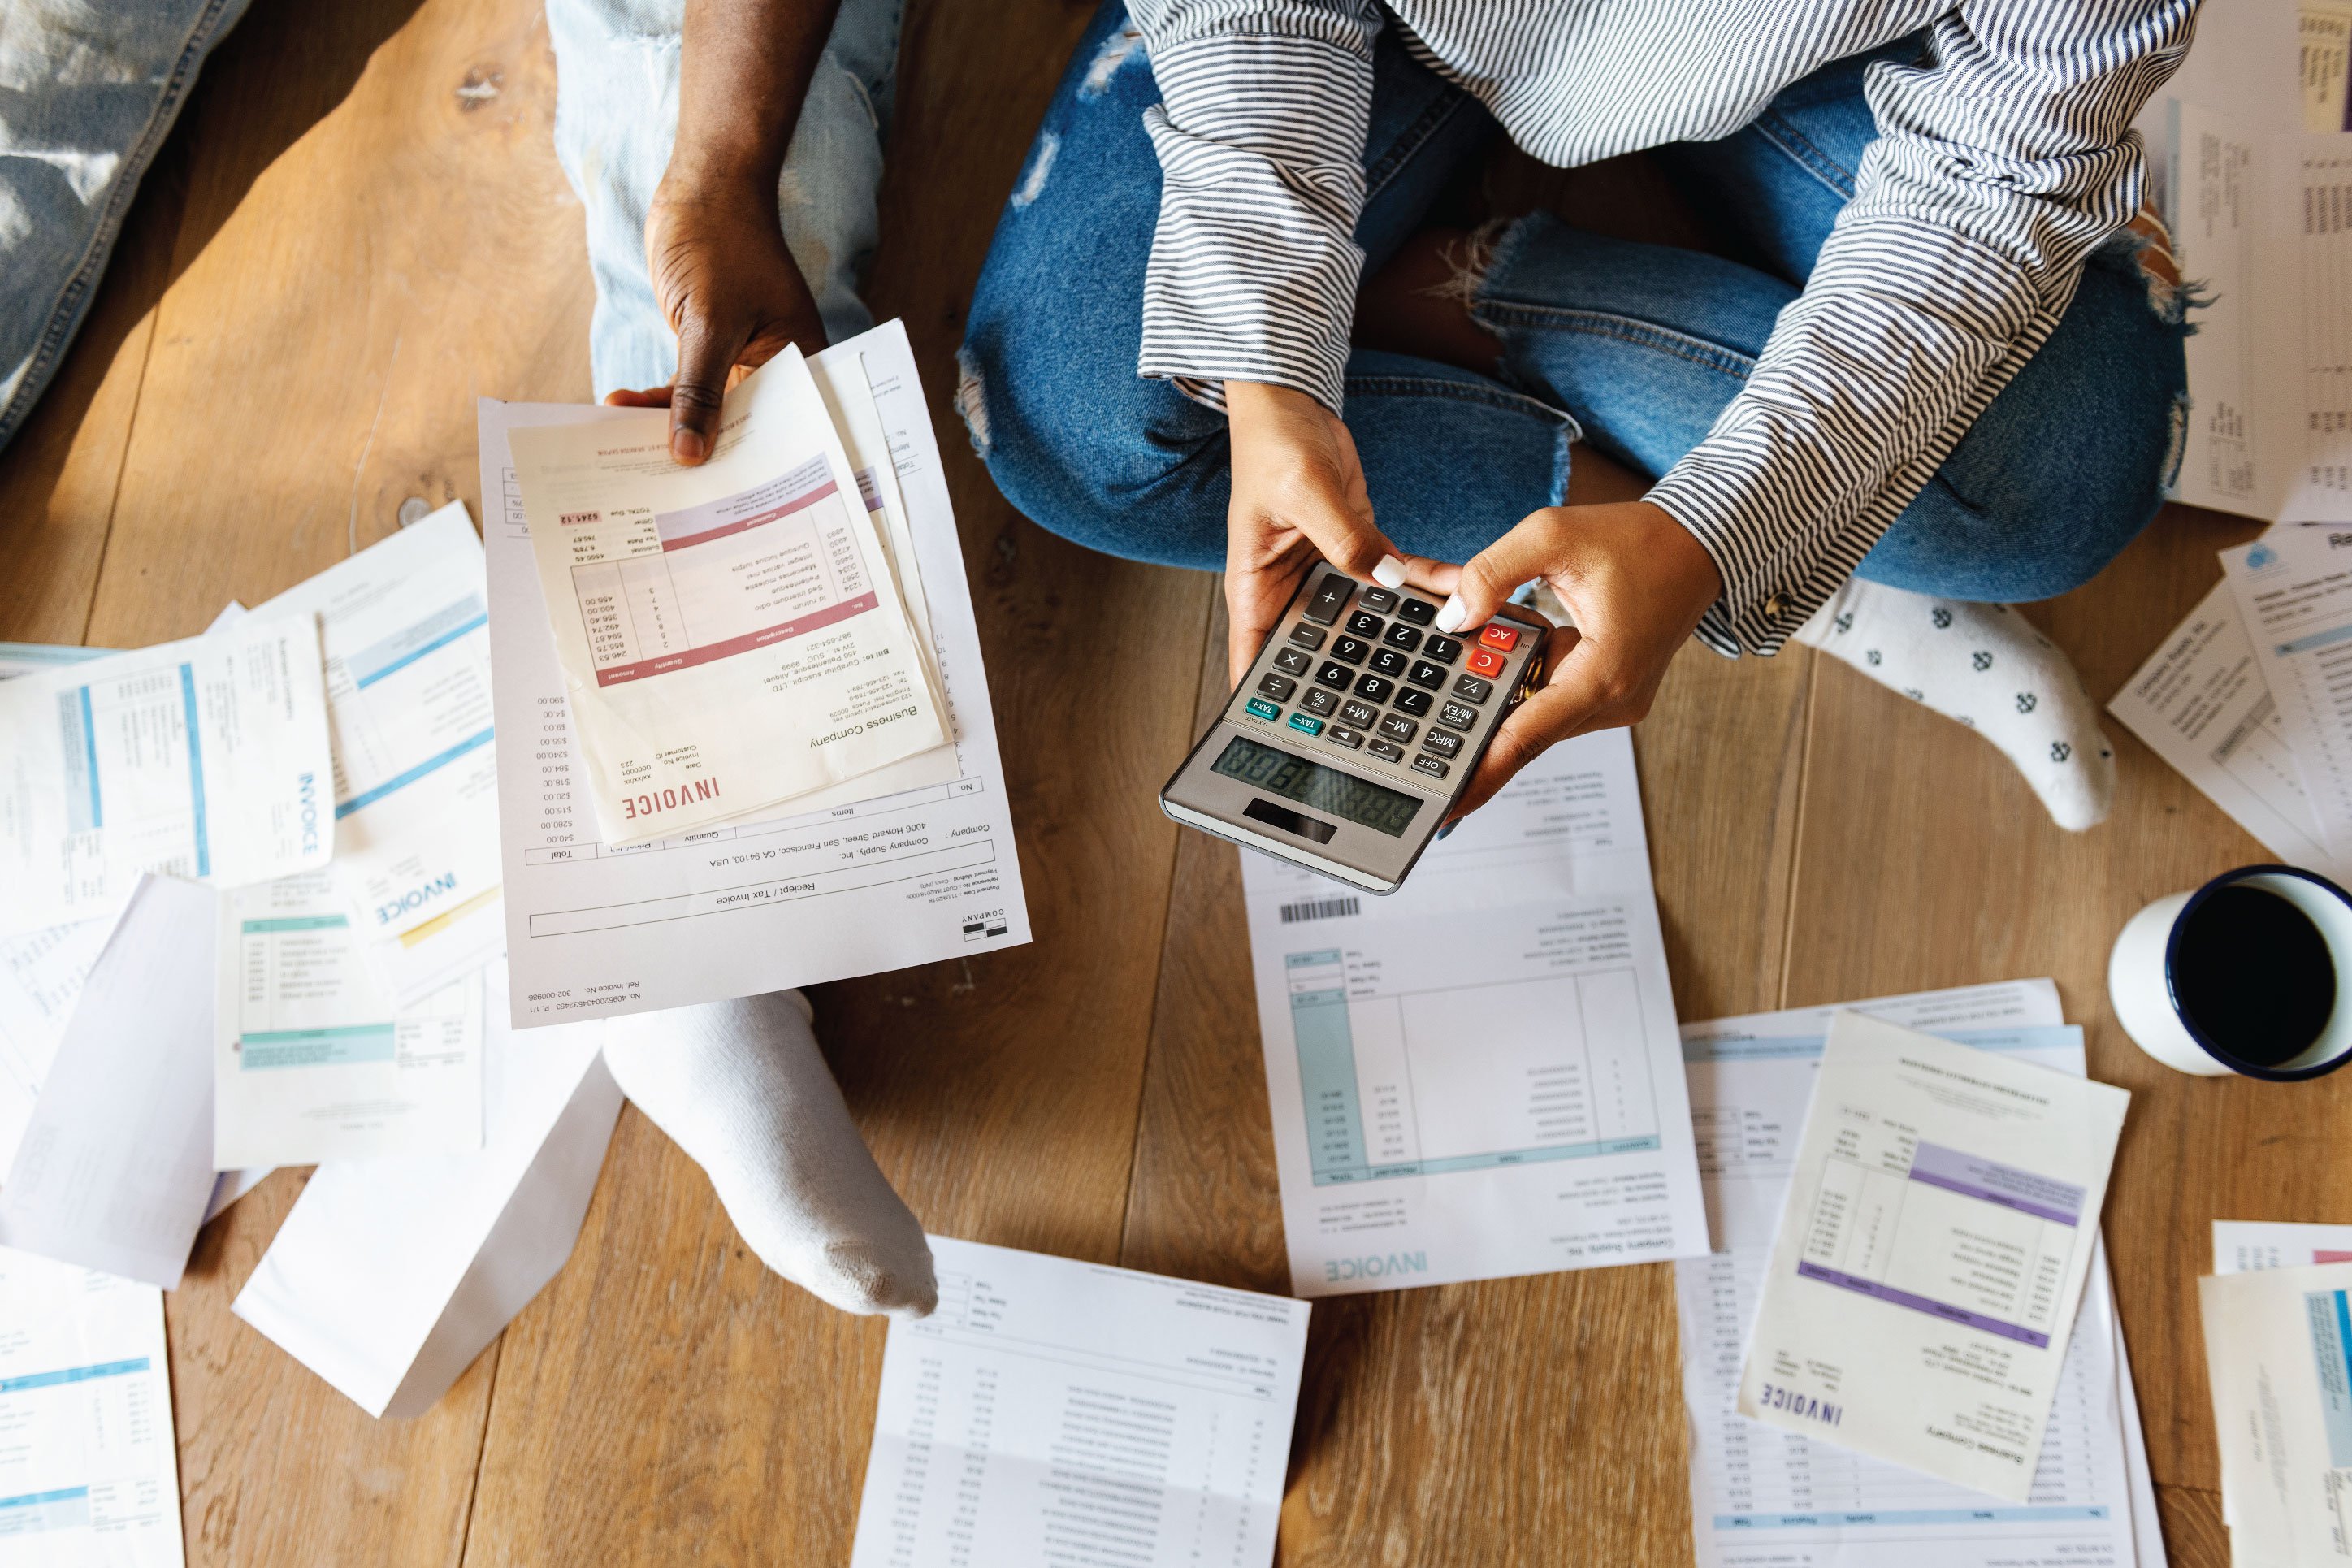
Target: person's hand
(1298, 497)
(733, 295)
(1636, 582)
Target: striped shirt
(2002, 163)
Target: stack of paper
(716, 620)
(2278, 1356)
(1775, 1493)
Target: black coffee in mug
(2253, 975)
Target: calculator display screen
(1376, 806)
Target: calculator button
(1335, 676)
(1319, 701)
(1277, 687)
(1301, 721)
(1365, 626)
(1359, 714)
(1419, 612)
(1397, 727)
(1427, 674)
(1389, 662)
(1330, 596)
(1485, 661)
(1414, 702)
(1460, 715)
(1352, 649)
(1261, 708)
(1372, 688)
(1292, 660)
(1444, 650)
(1385, 752)
(1445, 743)
(1305, 636)
(1498, 636)
(1380, 599)
(1403, 636)
(1424, 763)
(1340, 736)
(1472, 687)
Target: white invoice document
(2293, 588)
(1478, 1075)
(1932, 1250)
(312, 1061)
(41, 977)
(88, 1468)
(206, 759)
(1761, 1496)
(2202, 703)
(1056, 1412)
(2241, 1246)
(2278, 1356)
(731, 635)
(916, 866)
(405, 627)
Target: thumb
(1488, 579)
(704, 359)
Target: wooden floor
(358, 228)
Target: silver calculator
(1354, 731)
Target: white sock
(741, 1087)
(1984, 666)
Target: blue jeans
(1633, 348)
(88, 91)
(616, 118)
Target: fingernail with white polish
(1389, 572)
(1450, 618)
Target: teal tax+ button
(1313, 726)
(1265, 710)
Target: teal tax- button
(1265, 710)
(1307, 722)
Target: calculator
(1356, 730)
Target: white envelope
(390, 1276)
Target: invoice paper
(1478, 1075)
(404, 628)
(1058, 1411)
(1763, 1496)
(1931, 1253)
(2202, 703)
(41, 977)
(116, 1164)
(312, 1061)
(2294, 588)
(2241, 1246)
(2278, 1355)
(206, 759)
(390, 1276)
(900, 873)
(731, 634)
(88, 1469)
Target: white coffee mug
(2140, 983)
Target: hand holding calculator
(1356, 730)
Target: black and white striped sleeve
(1260, 133)
(2000, 166)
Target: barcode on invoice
(1320, 909)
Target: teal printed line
(58, 652)
(90, 759)
(444, 640)
(296, 922)
(195, 771)
(1766, 1047)
(1837, 1518)
(69, 1375)
(317, 1048)
(402, 780)
(2315, 639)
(1335, 1175)
(2331, 1351)
(34, 1499)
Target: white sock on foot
(740, 1087)
(1984, 666)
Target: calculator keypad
(1389, 662)
(1291, 660)
(1424, 673)
(1372, 688)
(1336, 676)
(1319, 701)
(1351, 650)
(1363, 715)
(1365, 625)
(1402, 636)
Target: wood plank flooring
(358, 228)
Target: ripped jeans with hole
(616, 118)
(1631, 348)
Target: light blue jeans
(88, 91)
(617, 117)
